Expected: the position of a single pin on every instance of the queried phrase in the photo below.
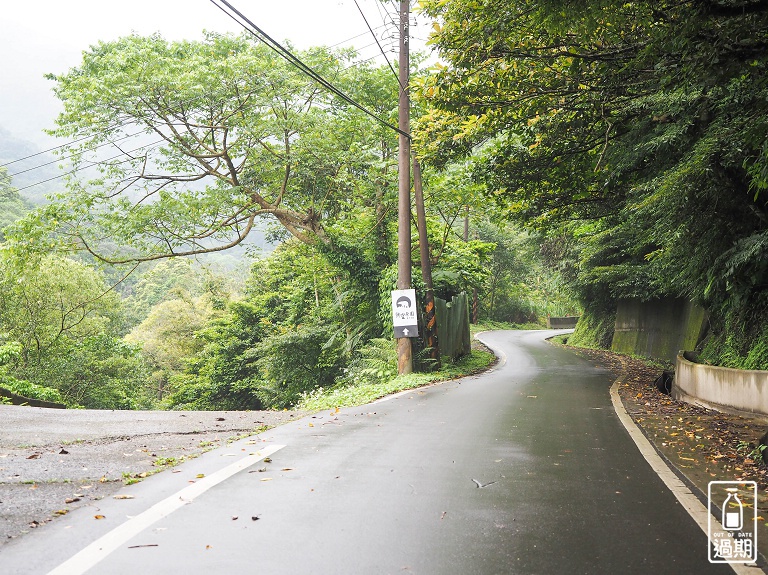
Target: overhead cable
(397, 78)
(91, 165)
(237, 16)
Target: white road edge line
(497, 352)
(687, 499)
(106, 544)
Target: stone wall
(658, 328)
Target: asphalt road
(523, 470)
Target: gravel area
(53, 461)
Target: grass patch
(489, 325)
(364, 392)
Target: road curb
(502, 357)
(690, 502)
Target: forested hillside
(632, 135)
(116, 293)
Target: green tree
(291, 333)
(637, 129)
(59, 312)
(228, 133)
(12, 206)
(167, 337)
(50, 303)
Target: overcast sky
(48, 36)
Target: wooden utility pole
(473, 316)
(430, 321)
(404, 348)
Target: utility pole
(404, 348)
(473, 317)
(430, 321)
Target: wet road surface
(523, 470)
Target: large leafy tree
(226, 132)
(57, 315)
(638, 129)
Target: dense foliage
(210, 136)
(242, 136)
(12, 206)
(636, 130)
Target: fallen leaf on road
(255, 518)
(63, 452)
(124, 497)
(34, 456)
(266, 479)
(103, 479)
(482, 485)
(99, 517)
(287, 469)
(267, 460)
(200, 475)
(71, 500)
(61, 512)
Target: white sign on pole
(404, 317)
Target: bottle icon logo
(733, 512)
(732, 521)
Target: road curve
(523, 470)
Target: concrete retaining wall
(562, 322)
(657, 328)
(736, 390)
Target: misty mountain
(34, 177)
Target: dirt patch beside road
(54, 461)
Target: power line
(45, 151)
(70, 142)
(355, 64)
(293, 59)
(300, 64)
(397, 78)
(112, 142)
(91, 165)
